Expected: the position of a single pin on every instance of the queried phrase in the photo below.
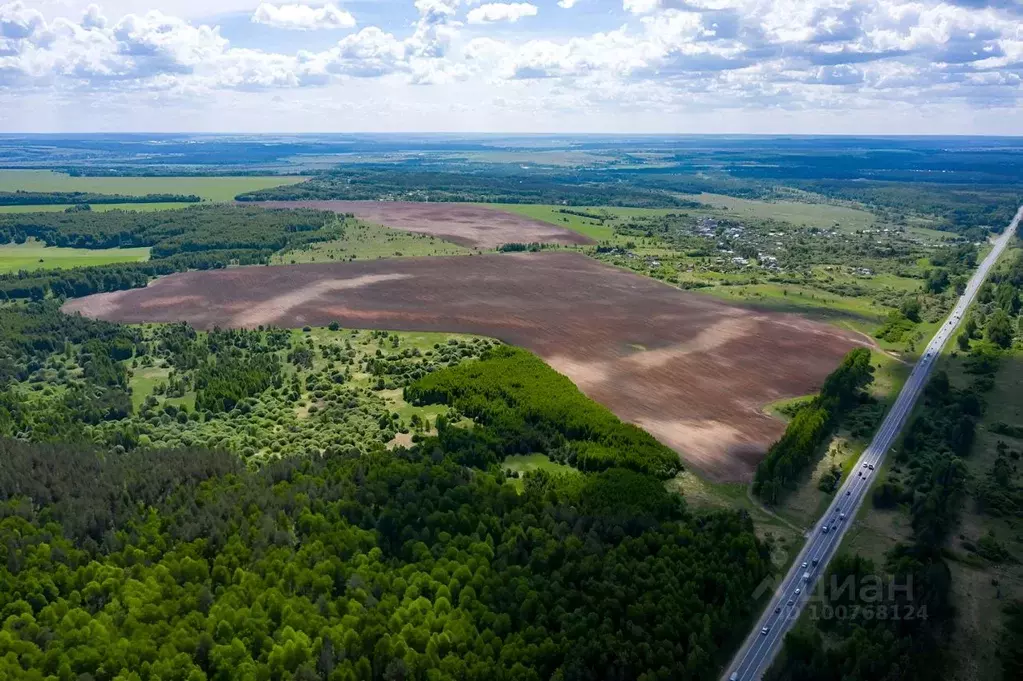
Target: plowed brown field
(461, 223)
(693, 371)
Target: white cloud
(640, 6)
(567, 4)
(302, 17)
(671, 56)
(368, 53)
(93, 17)
(501, 11)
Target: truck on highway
(806, 576)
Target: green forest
(185, 565)
(814, 422)
(198, 237)
(530, 408)
(27, 198)
(497, 186)
(250, 516)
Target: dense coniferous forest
(787, 458)
(26, 198)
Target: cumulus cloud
(302, 17)
(567, 4)
(671, 54)
(18, 22)
(93, 17)
(368, 53)
(501, 11)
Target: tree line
(930, 479)
(528, 407)
(27, 198)
(495, 185)
(197, 228)
(787, 458)
(200, 237)
(928, 476)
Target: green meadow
(33, 255)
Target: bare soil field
(692, 370)
(461, 223)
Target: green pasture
(209, 188)
(97, 207)
(821, 215)
(33, 255)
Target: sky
(657, 66)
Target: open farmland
(464, 224)
(223, 188)
(693, 371)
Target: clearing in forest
(363, 240)
(34, 255)
(692, 370)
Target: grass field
(701, 493)
(798, 213)
(364, 241)
(209, 188)
(807, 301)
(821, 215)
(32, 255)
(523, 463)
(981, 587)
(97, 208)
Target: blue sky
(677, 66)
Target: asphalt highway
(781, 613)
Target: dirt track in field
(693, 371)
(464, 224)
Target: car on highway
(734, 676)
(864, 464)
(871, 466)
(792, 601)
(841, 516)
(798, 591)
(777, 610)
(763, 632)
(825, 529)
(848, 492)
(804, 565)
